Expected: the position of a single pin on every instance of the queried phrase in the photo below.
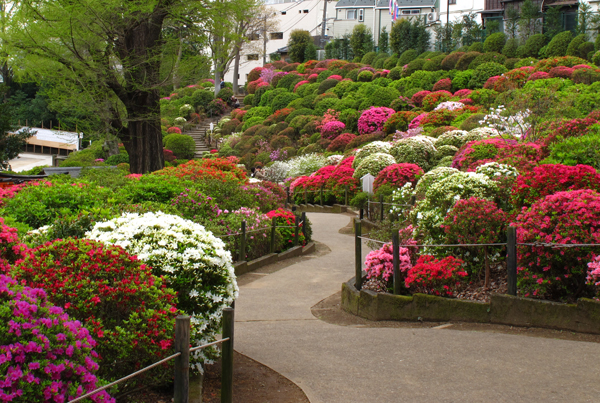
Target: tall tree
(529, 21)
(111, 49)
(552, 22)
(511, 24)
(11, 141)
(584, 18)
(384, 41)
(297, 44)
(471, 29)
(361, 40)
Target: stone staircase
(199, 132)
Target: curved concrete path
(332, 363)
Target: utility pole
(324, 28)
(265, 39)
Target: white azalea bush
(505, 177)
(277, 172)
(441, 195)
(193, 261)
(417, 150)
(457, 138)
(504, 123)
(373, 164)
(179, 121)
(334, 159)
(306, 164)
(370, 149)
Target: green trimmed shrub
(406, 57)
(533, 45)
(390, 62)
(182, 146)
(395, 73)
(449, 62)
(494, 42)
(510, 63)
(434, 64)
(202, 97)
(486, 58)
(368, 58)
(510, 48)
(476, 47)
(585, 49)
(466, 59)
(484, 72)
(225, 94)
(324, 75)
(472, 122)
(573, 48)
(559, 44)
(461, 80)
(117, 159)
(283, 100)
(248, 99)
(528, 61)
(327, 84)
(413, 66)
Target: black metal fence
(181, 380)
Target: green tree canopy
(297, 44)
(361, 40)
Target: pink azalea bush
(380, 263)
(331, 130)
(417, 121)
(373, 119)
(299, 84)
(566, 218)
(463, 93)
(436, 277)
(397, 175)
(44, 355)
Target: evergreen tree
(361, 40)
(297, 44)
(384, 39)
(471, 29)
(552, 22)
(529, 21)
(310, 53)
(511, 24)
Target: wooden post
(304, 225)
(182, 362)
(381, 208)
(357, 254)
(273, 229)
(362, 214)
(346, 195)
(321, 193)
(396, 263)
(243, 243)
(227, 357)
(296, 229)
(511, 259)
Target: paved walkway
(332, 363)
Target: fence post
(321, 193)
(243, 243)
(396, 263)
(346, 195)
(362, 214)
(357, 254)
(296, 230)
(511, 259)
(304, 224)
(273, 229)
(227, 357)
(181, 382)
(381, 208)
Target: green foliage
(494, 42)
(407, 34)
(485, 71)
(368, 57)
(183, 146)
(413, 66)
(282, 100)
(466, 59)
(510, 48)
(406, 57)
(117, 159)
(559, 44)
(85, 157)
(361, 40)
(461, 80)
(297, 45)
(326, 85)
(476, 47)
(310, 52)
(384, 40)
(486, 58)
(434, 64)
(573, 48)
(577, 150)
(533, 46)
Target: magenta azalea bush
(373, 119)
(380, 263)
(44, 355)
(331, 130)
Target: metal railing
(510, 244)
(181, 380)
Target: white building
(304, 15)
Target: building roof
(406, 3)
(54, 138)
(355, 3)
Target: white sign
(367, 183)
(212, 126)
(80, 135)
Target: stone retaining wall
(245, 267)
(502, 309)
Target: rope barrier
(560, 245)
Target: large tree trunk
(236, 71)
(143, 137)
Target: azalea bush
(286, 221)
(379, 263)
(373, 119)
(443, 277)
(45, 356)
(373, 164)
(547, 179)
(418, 150)
(192, 260)
(397, 175)
(558, 274)
(370, 149)
(129, 311)
(11, 248)
(305, 164)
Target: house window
(361, 15)
(285, 12)
(254, 36)
(412, 12)
(276, 35)
(253, 56)
(451, 1)
(350, 14)
(305, 11)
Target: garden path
(354, 363)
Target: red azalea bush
(430, 101)
(45, 356)
(417, 98)
(522, 156)
(554, 131)
(174, 129)
(373, 119)
(437, 277)
(168, 155)
(593, 277)
(212, 169)
(538, 75)
(254, 74)
(561, 71)
(380, 263)
(547, 179)
(340, 142)
(129, 311)
(489, 84)
(463, 93)
(444, 84)
(397, 175)
(11, 249)
(286, 220)
(566, 61)
(253, 85)
(9, 192)
(564, 218)
(299, 83)
(440, 117)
